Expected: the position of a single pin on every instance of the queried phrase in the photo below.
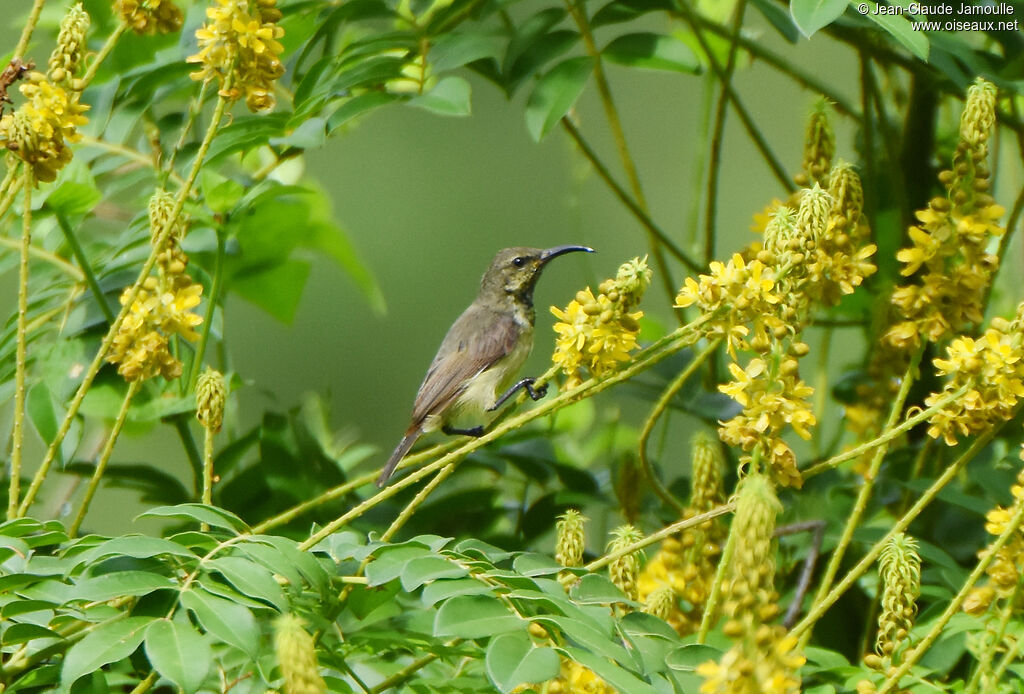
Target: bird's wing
(477, 340)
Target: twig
(652, 419)
(21, 365)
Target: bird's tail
(400, 450)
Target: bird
(473, 373)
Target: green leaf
(277, 289)
(899, 28)
(41, 412)
(653, 52)
(534, 564)
(137, 546)
(587, 636)
(251, 579)
(217, 517)
(356, 106)
(418, 571)
(108, 643)
(474, 617)
(178, 653)
(595, 589)
(812, 15)
(335, 244)
(555, 93)
(778, 18)
(389, 562)
(455, 49)
(611, 672)
(74, 198)
(220, 193)
(450, 97)
(119, 583)
(512, 659)
(24, 632)
(442, 590)
(628, 10)
(688, 657)
(228, 621)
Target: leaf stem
(717, 135)
(625, 198)
(104, 51)
(212, 299)
(86, 269)
(864, 494)
(988, 556)
(101, 464)
(822, 606)
(26, 32)
(668, 345)
(659, 408)
(21, 365)
(908, 424)
(129, 299)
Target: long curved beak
(549, 253)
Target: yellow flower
(149, 16)
(39, 130)
(240, 50)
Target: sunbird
(482, 353)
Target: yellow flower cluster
(149, 16)
(162, 309)
(1007, 568)
(571, 540)
(211, 396)
(819, 146)
(678, 578)
(67, 56)
(598, 332)
(625, 570)
(578, 679)
(762, 658)
(993, 372)
(900, 571)
(773, 396)
(296, 655)
(239, 47)
(948, 254)
(39, 131)
(734, 296)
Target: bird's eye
(519, 262)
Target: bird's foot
(475, 431)
(535, 393)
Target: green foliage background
(341, 286)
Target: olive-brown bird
(473, 372)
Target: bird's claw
(538, 392)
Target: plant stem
(101, 464)
(145, 685)
(346, 487)
(741, 111)
(406, 513)
(822, 606)
(180, 422)
(668, 345)
(717, 136)
(908, 423)
(108, 46)
(129, 299)
(195, 108)
(46, 256)
(667, 531)
(406, 672)
(26, 32)
(127, 152)
(86, 268)
(995, 641)
(988, 556)
(212, 299)
(625, 198)
(652, 419)
(21, 365)
(715, 593)
(207, 472)
(578, 11)
(864, 494)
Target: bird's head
(514, 271)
